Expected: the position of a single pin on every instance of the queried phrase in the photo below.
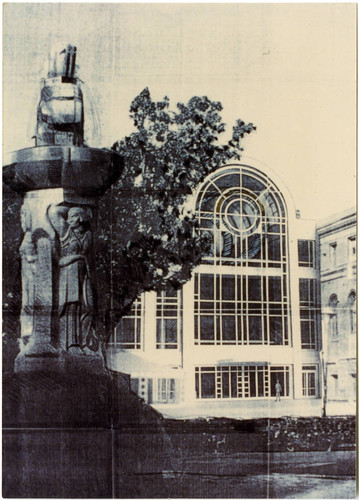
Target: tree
(147, 238)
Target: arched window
(333, 320)
(245, 215)
(352, 310)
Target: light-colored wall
(339, 278)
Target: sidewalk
(268, 408)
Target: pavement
(249, 409)
(258, 475)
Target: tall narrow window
(306, 253)
(308, 313)
(333, 317)
(352, 311)
(168, 319)
(352, 249)
(333, 254)
(127, 333)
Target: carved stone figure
(37, 288)
(76, 305)
(28, 258)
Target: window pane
(228, 288)
(275, 289)
(208, 384)
(252, 384)
(260, 384)
(233, 384)
(303, 290)
(228, 327)
(170, 327)
(127, 330)
(207, 327)
(254, 288)
(207, 284)
(276, 331)
(305, 334)
(225, 384)
(273, 247)
(255, 328)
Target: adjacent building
(248, 319)
(338, 273)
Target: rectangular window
(352, 249)
(241, 381)
(309, 380)
(127, 333)
(333, 325)
(240, 310)
(166, 392)
(306, 253)
(168, 318)
(308, 313)
(333, 254)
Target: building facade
(338, 273)
(249, 317)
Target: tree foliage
(148, 239)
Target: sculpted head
(77, 216)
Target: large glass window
(235, 309)
(168, 319)
(241, 381)
(127, 334)
(244, 214)
(306, 253)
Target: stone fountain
(61, 180)
(71, 428)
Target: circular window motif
(240, 212)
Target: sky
(288, 68)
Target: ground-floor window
(241, 381)
(166, 390)
(156, 390)
(309, 380)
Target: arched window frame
(246, 215)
